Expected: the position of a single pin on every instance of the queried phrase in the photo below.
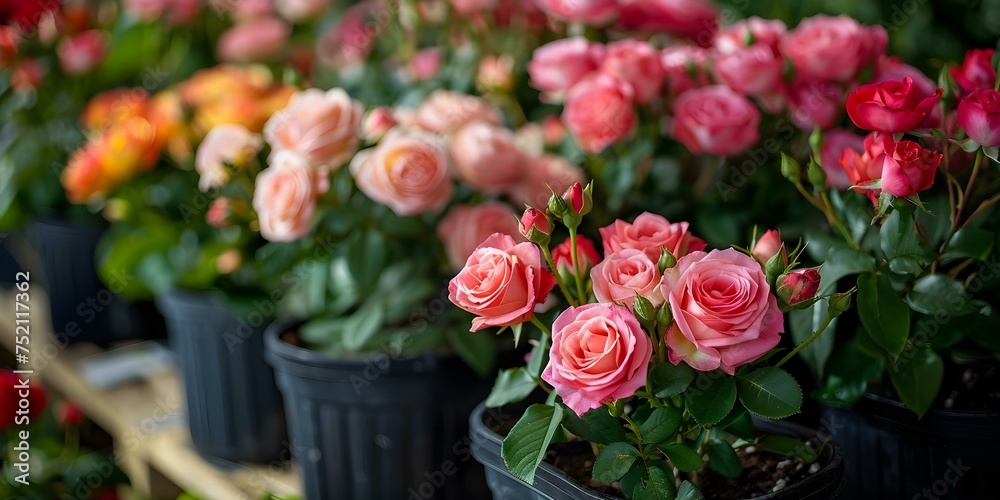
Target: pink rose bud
(377, 122)
(907, 168)
(218, 213)
(496, 72)
(976, 71)
(426, 64)
(534, 225)
(579, 198)
(768, 245)
(83, 52)
(979, 117)
(562, 255)
(799, 285)
(891, 107)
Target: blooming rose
(637, 63)
(892, 68)
(767, 245)
(466, 226)
(623, 275)
(407, 171)
(114, 107)
(835, 141)
(976, 71)
(648, 233)
(285, 197)
(799, 285)
(813, 104)
(486, 157)
(425, 64)
(545, 171)
(324, 127)
(695, 19)
(562, 255)
(377, 122)
(826, 48)
(861, 167)
(715, 120)
(445, 111)
(501, 283)
(754, 70)
(225, 144)
(979, 117)
(109, 159)
(599, 354)
(684, 67)
(348, 42)
(470, 7)
(747, 32)
(892, 106)
(258, 39)
(599, 112)
(81, 53)
(557, 66)
(724, 312)
(590, 12)
(907, 168)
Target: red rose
(976, 71)
(907, 168)
(861, 168)
(892, 106)
(979, 117)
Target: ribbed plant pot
(234, 409)
(892, 455)
(379, 426)
(554, 484)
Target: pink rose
(259, 39)
(589, 12)
(224, 145)
(835, 141)
(979, 117)
(486, 157)
(544, 171)
(861, 167)
(891, 107)
(907, 168)
(695, 19)
(470, 7)
(534, 222)
(445, 111)
(649, 232)
(407, 171)
(767, 246)
(350, 40)
(501, 283)
(496, 72)
(637, 63)
(466, 226)
(824, 48)
(82, 52)
(799, 285)
(599, 112)
(976, 71)
(747, 32)
(218, 213)
(557, 66)
(297, 11)
(377, 122)
(892, 68)
(425, 64)
(685, 68)
(754, 70)
(562, 256)
(812, 104)
(321, 126)
(599, 354)
(724, 312)
(623, 275)
(285, 197)
(715, 120)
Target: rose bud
(892, 106)
(69, 414)
(426, 64)
(218, 213)
(82, 53)
(579, 198)
(496, 72)
(979, 117)
(976, 71)
(376, 123)
(768, 245)
(562, 257)
(534, 226)
(908, 168)
(799, 286)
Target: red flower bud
(69, 414)
(768, 245)
(799, 285)
(534, 223)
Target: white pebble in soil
(814, 468)
(779, 485)
(785, 463)
(750, 450)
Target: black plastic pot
(234, 408)
(554, 484)
(892, 455)
(9, 266)
(380, 426)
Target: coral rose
(623, 275)
(649, 232)
(285, 197)
(324, 127)
(407, 171)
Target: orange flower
(166, 114)
(224, 82)
(114, 107)
(110, 159)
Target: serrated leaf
(596, 425)
(524, 447)
(659, 486)
(770, 392)
(614, 461)
(710, 397)
(739, 423)
(788, 446)
(687, 491)
(660, 425)
(511, 386)
(682, 457)
(667, 380)
(723, 459)
(883, 313)
(916, 376)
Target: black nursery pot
(892, 455)
(554, 484)
(8, 265)
(380, 426)
(234, 408)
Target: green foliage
(524, 447)
(769, 392)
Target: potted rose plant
(917, 235)
(661, 359)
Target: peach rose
(637, 63)
(285, 197)
(715, 120)
(445, 111)
(599, 112)
(466, 226)
(599, 354)
(623, 275)
(501, 283)
(224, 145)
(649, 233)
(324, 127)
(724, 312)
(486, 157)
(542, 172)
(407, 171)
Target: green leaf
(970, 243)
(883, 312)
(842, 262)
(667, 380)
(512, 385)
(898, 236)
(739, 423)
(682, 457)
(614, 461)
(848, 372)
(854, 209)
(660, 425)
(596, 425)
(939, 295)
(687, 491)
(723, 459)
(788, 446)
(362, 327)
(935, 227)
(802, 323)
(539, 355)
(770, 392)
(366, 257)
(916, 376)
(476, 349)
(710, 397)
(524, 447)
(659, 486)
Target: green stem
(964, 199)
(555, 272)
(814, 336)
(704, 442)
(577, 268)
(541, 326)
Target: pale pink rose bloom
(486, 157)
(599, 354)
(425, 64)
(82, 52)
(835, 141)
(300, 10)
(589, 12)
(724, 312)
(637, 63)
(465, 227)
(649, 232)
(623, 275)
(501, 283)
(224, 144)
(324, 127)
(470, 7)
(285, 197)
(825, 48)
(715, 120)
(407, 171)
(545, 171)
(599, 112)
(446, 111)
(258, 39)
(556, 66)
